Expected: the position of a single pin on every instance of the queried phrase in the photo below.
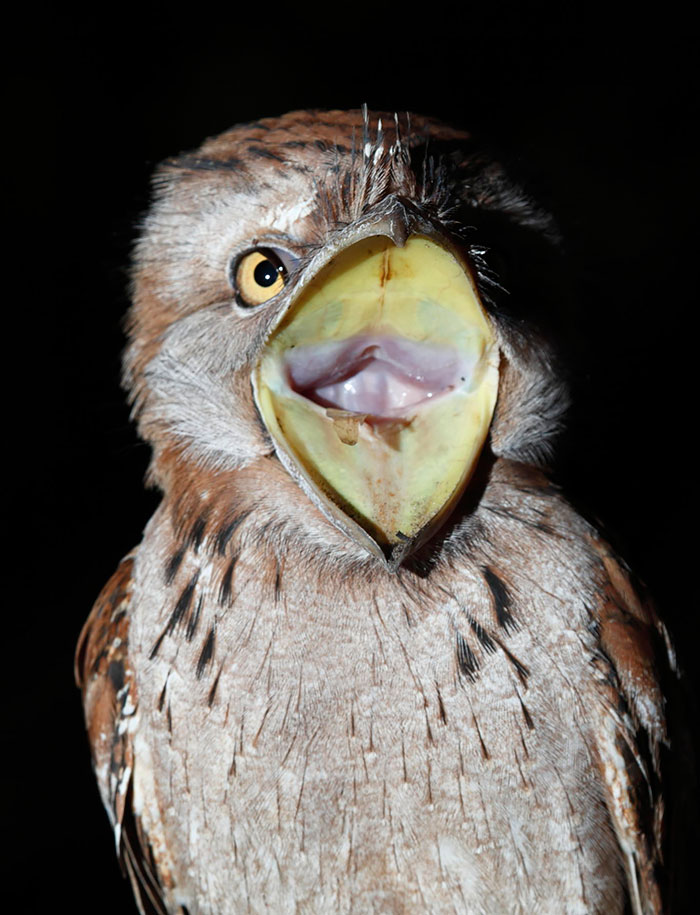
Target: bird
(367, 656)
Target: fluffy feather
(294, 727)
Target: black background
(594, 111)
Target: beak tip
(395, 553)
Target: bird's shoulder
(105, 676)
(635, 659)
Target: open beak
(378, 387)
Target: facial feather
(185, 335)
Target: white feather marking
(129, 708)
(285, 217)
(124, 780)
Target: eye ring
(258, 276)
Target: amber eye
(258, 276)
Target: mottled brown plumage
(282, 722)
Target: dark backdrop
(594, 113)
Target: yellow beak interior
(379, 384)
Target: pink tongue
(379, 376)
(376, 389)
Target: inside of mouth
(378, 376)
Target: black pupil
(266, 273)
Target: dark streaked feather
(630, 757)
(103, 673)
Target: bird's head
(312, 291)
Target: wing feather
(633, 648)
(103, 673)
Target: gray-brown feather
(477, 733)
